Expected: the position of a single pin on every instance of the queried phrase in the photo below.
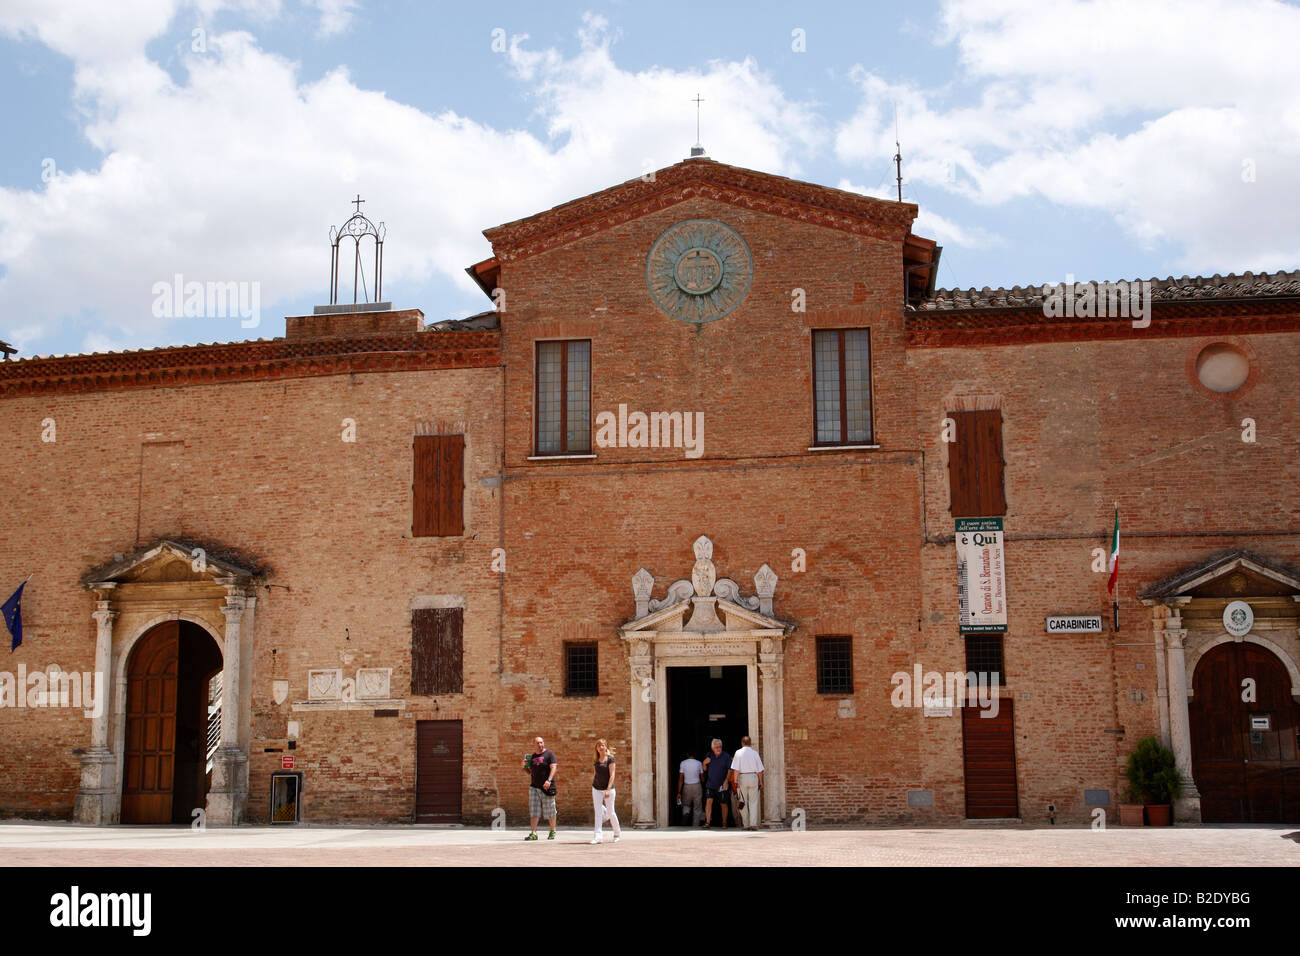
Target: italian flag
(1114, 556)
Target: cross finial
(358, 201)
(697, 101)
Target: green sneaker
(531, 836)
(552, 836)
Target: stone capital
(1175, 636)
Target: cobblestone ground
(28, 844)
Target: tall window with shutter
(975, 465)
(563, 400)
(438, 489)
(437, 650)
(841, 386)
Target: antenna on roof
(698, 148)
(898, 156)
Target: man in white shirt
(747, 779)
(690, 794)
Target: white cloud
(930, 224)
(1154, 113)
(236, 173)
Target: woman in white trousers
(602, 793)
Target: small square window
(984, 658)
(834, 665)
(581, 675)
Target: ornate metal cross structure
(357, 228)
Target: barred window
(563, 398)
(984, 657)
(834, 665)
(842, 386)
(581, 677)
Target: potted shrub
(1130, 810)
(1153, 778)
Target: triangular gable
(170, 561)
(745, 188)
(1230, 574)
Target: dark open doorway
(703, 703)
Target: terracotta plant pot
(1130, 814)
(1160, 814)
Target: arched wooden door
(1244, 752)
(150, 755)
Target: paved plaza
(59, 844)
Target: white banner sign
(981, 576)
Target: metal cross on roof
(358, 201)
(697, 101)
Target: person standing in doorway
(747, 778)
(541, 766)
(689, 790)
(716, 767)
(602, 792)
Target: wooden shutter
(992, 496)
(437, 650)
(975, 465)
(438, 490)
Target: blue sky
(220, 140)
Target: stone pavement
(61, 844)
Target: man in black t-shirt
(541, 766)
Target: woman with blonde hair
(602, 792)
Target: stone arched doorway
(1244, 723)
(171, 710)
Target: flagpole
(1114, 598)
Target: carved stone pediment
(169, 562)
(704, 603)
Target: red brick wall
(263, 469)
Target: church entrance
(703, 703)
(172, 723)
(1244, 752)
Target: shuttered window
(841, 386)
(975, 465)
(437, 650)
(438, 491)
(563, 400)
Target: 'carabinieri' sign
(981, 576)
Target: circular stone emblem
(1238, 618)
(699, 270)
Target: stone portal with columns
(165, 582)
(1188, 619)
(704, 621)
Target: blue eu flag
(12, 611)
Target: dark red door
(990, 754)
(438, 761)
(151, 726)
(1244, 751)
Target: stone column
(642, 691)
(229, 793)
(1162, 682)
(96, 800)
(772, 679)
(1187, 809)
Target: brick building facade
(697, 474)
